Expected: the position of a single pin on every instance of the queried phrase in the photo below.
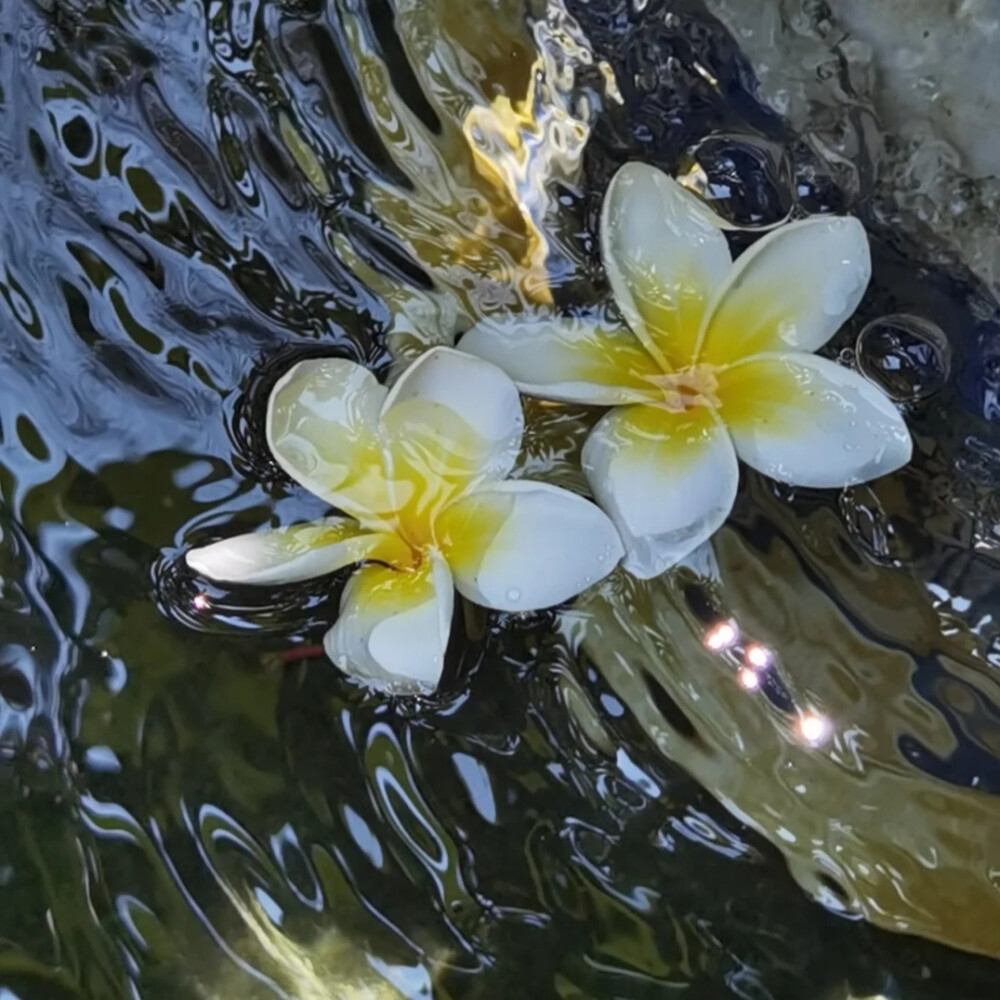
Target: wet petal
(322, 428)
(808, 421)
(668, 480)
(288, 555)
(664, 257)
(394, 626)
(570, 360)
(451, 422)
(792, 290)
(483, 417)
(519, 545)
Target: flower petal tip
(649, 557)
(807, 421)
(220, 561)
(287, 555)
(394, 627)
(667, 480)
(196, 561)
(321, 423)
(523, 546)
(382, 683)
(456, 395)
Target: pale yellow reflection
(479, 213)
(332, 965)
(830, 788)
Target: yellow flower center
(682, 390)
(410, 556)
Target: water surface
(193, 196)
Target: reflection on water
(479, 121)
(187, 811)
(835, 755)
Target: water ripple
(196, 196)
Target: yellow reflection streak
(333, 965)
(475, 218)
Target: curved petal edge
(808, 421)
(394, 626)
(522, 546)
(668, 481)
(291, 554)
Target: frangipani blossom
(420, 473)
(716, 364)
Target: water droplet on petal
(513, 594)
(907, 356)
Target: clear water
(591, 807)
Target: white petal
(520, 546)
(792, 290)
(570, 360)
(664, 258)
(451, 421)
(479, 395)
(322, 427)
(811, 422)
(288, 555)
(668, 480)
(394, 626)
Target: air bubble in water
(907, 356)
(745, 178)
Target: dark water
(185, 191)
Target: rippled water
(591, 807)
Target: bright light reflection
(721, 636)
(758, 656)
(813, 728)
(200, 602)
(748, 678)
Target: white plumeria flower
(717, 364)
(420, 471)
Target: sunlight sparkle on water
(721, 636)
(758, 656)
(748, 678)
(200, 602)
(813, 728)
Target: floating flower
(420, 471)
(716, 364)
